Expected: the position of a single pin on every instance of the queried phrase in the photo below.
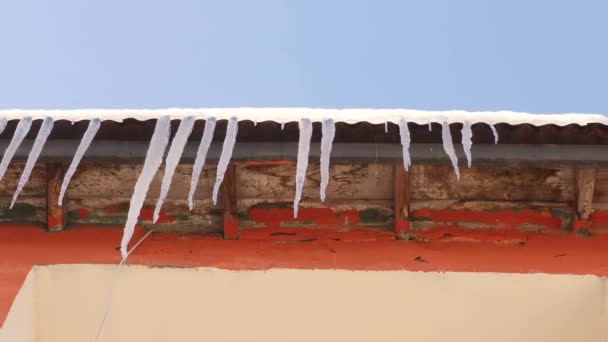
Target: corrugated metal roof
(364, 132)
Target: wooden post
(402, 202)
(55, 217)
(231, 225)
(585, 183)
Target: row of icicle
(160, 140)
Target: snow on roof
(281, 115)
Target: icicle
(328, 132)
(43, 134)
(201, 155)
(430, 126)
(385, 126)
(20, 132)
(87, 138)
(282, 125)
(302, 163)
(404, 131)
(227, 148)
(3, 123)
(495, 133)
(255, 123)
(448, 146)
(467, 135)
(154, 158)
(173, 157)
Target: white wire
(113, 284)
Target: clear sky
(546, 56)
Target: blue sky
(524, 55)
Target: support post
(55, 216)
(231, 226)
(585, 183)
(402, 202)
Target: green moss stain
(20, 211)
(372, 215)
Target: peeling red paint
(322, 217)
(53, 221)
(599, 218)
(148, 214)
(317, 234)
(231, 229)
(402, 227)
(21, 247)
(499, 219)
(83, 213)
(113, 210)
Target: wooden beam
(402, 201)
(55, 216)
(585, 183)
(231, 225)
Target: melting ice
(328, 132)
(467, 135)
(173, 157)
(154, 158)
(302, 163)
(404, 132)
(495, 133)
(43, 134)
(448, 146)
(87, 138)
(201, 155)
(227, 148)
(23, 127)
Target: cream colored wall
(177, 304)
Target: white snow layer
(467, 135)
(173, 157)
(154, 157)
(43, 134)
(302, 163)
(222, 164)
(280, 115)
(404, 132)
(23, 127)
(199, 161)
(87, 138)
(448, 146)
(328, 132)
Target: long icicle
(23, 127)
(222, 164)
(43, 134)
(467, 142)
(173, 157)
(201, 155)
(328, 131)
(87, 138)
(448, 146)
(3, 123)
(302, 163)
(493, 127)
(154, 157)
(404, 132)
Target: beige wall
(65, 303)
